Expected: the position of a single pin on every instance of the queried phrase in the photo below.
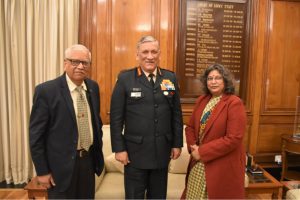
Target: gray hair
(144, 39)
(78, 47)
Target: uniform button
(73, 157)
(154, 91)
(155, 105)
(156, 120)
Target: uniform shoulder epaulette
(127, 70)
(166, 70)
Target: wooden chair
(289, 145)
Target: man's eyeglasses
(75, 62)
(217, 78)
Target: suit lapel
(216, 112)
(67, 96)
(144, 80)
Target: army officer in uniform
(145, 102)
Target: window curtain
(33, 37)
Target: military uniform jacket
(151, 118)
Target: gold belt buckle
(81, 153)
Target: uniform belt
(82, 153)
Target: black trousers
(149, 183)
(82, 185)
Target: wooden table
(264, 184)
(35, 190)
(290, 144)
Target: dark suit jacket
(152, 118)
(53, 130)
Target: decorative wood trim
(170, 37)
(175, 29)
(252, 47)
(155, 18)
(85, 26)
(258, 35)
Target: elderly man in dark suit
(145, 102)
(66, 130)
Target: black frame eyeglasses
(76, 62)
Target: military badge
(167, 85)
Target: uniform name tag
(136, 94)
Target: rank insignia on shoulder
(166, 84)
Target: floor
(22, 194)
(10, 191)
(260, 196)
(13, 193)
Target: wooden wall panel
(130, 20)
(167, 22)
(282, 74)
(279, 64)
(95, 33)
(269, 138)
(246, 138)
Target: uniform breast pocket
(135, 97)
(133, 143)
(170, 97)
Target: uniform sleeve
(177, 119)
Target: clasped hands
(123, 156)
(195, 152)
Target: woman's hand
(195, 152)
